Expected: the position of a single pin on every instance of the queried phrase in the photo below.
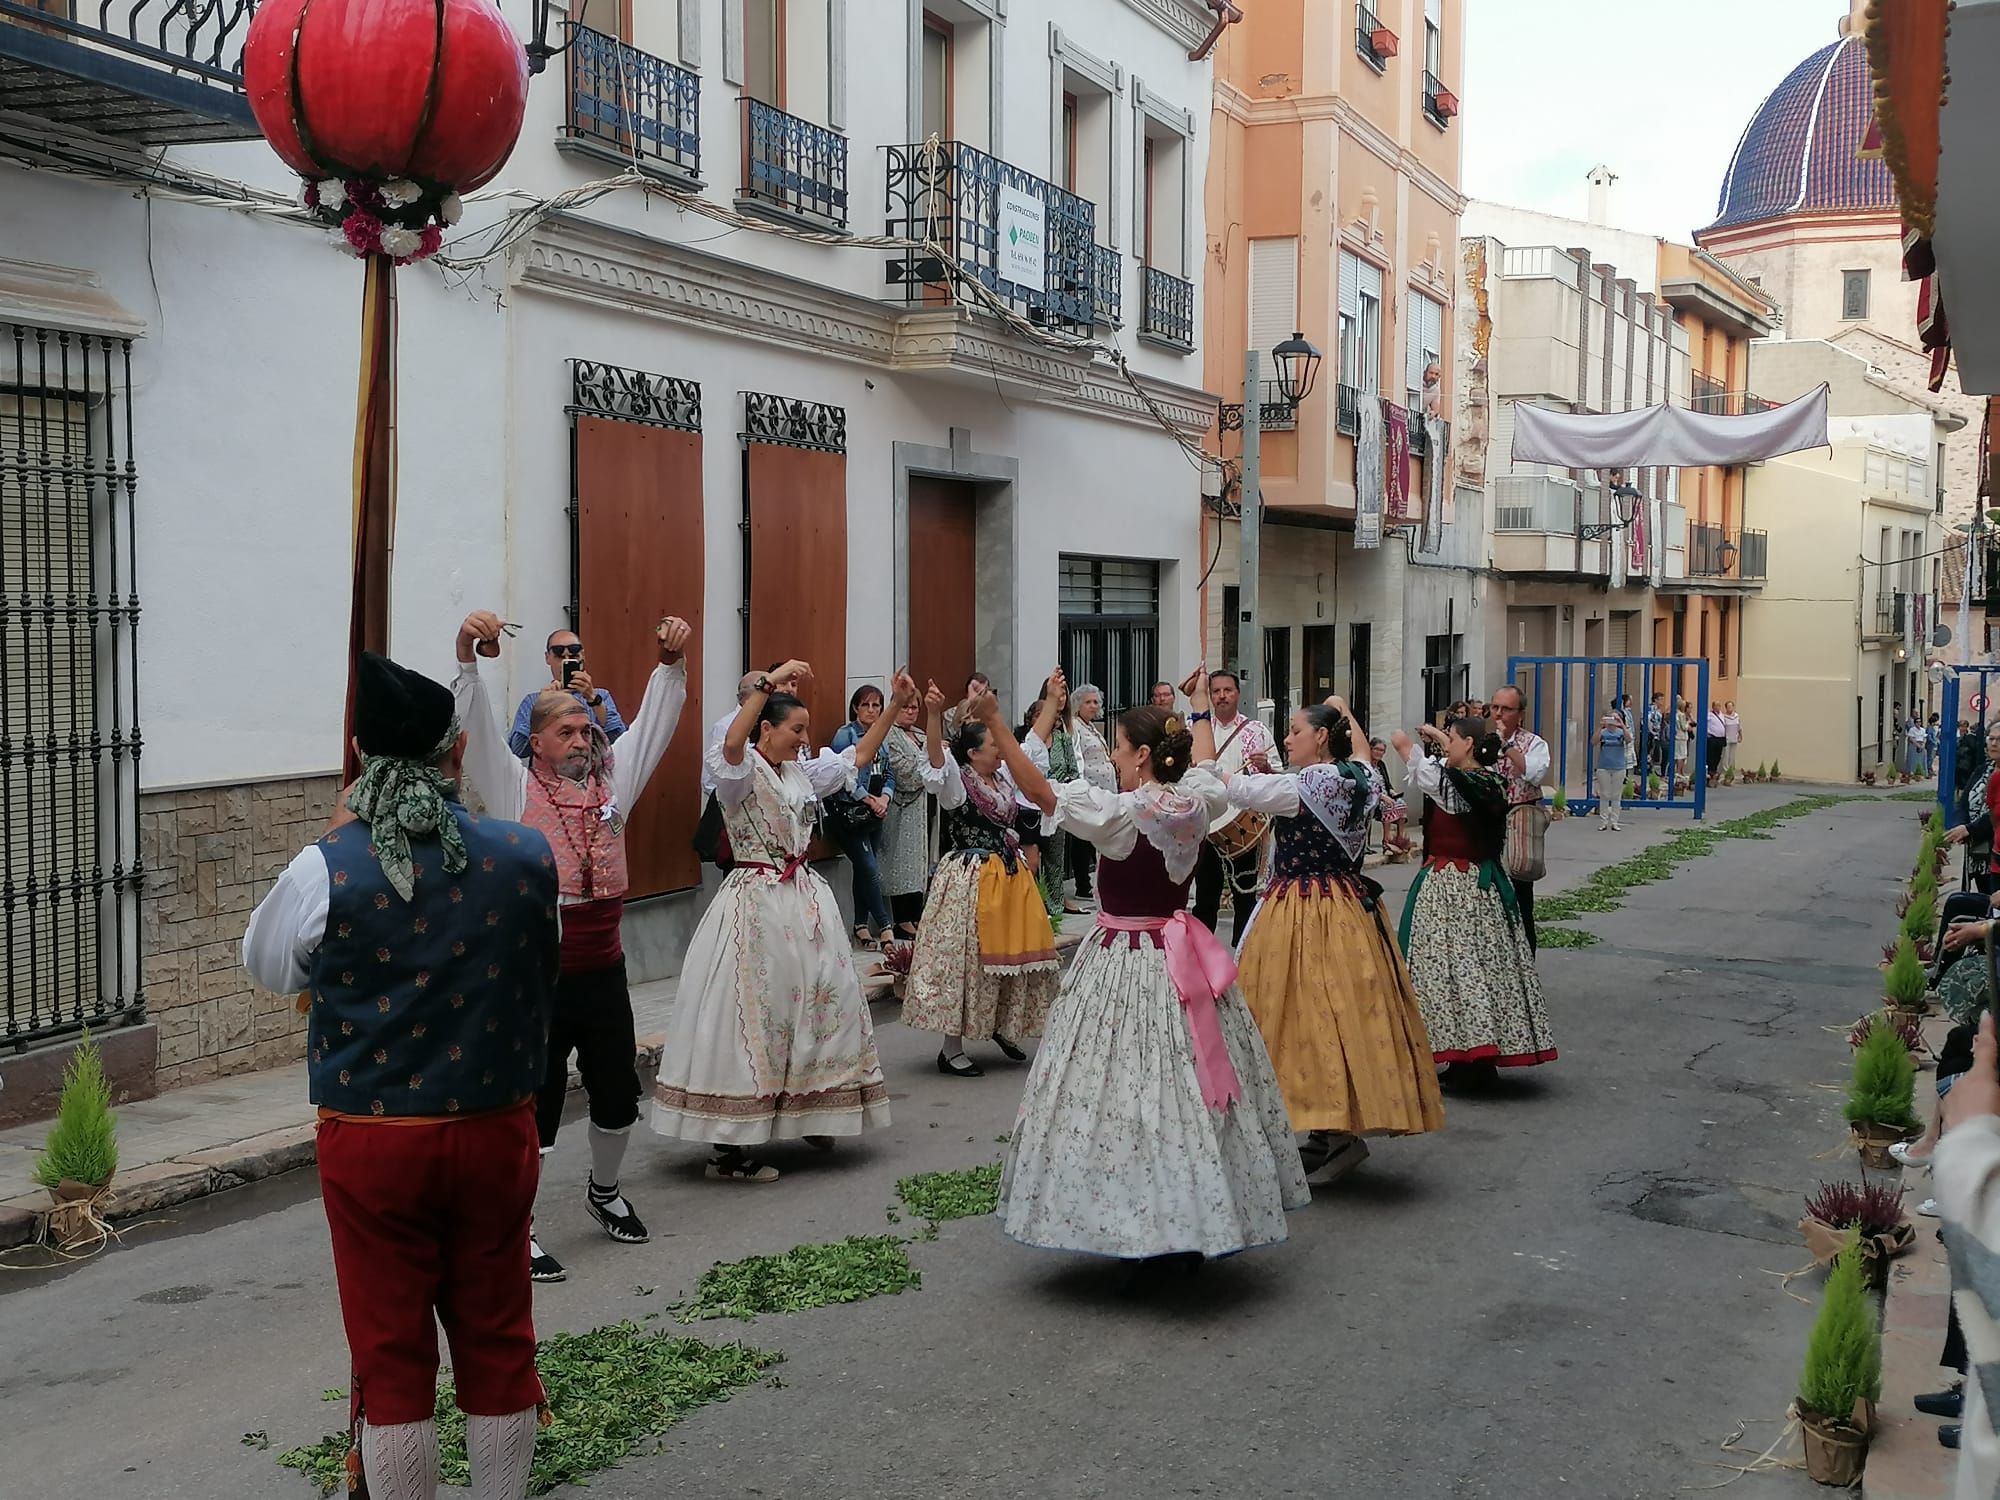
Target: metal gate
(1974, 708)
(1564, 696)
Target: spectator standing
(1718, 744)
(1163, 696)
(564, 654)
(1656, 733)
(1732, 734)
(906, 832)
(1914, 738)
(1609, 762)
(854, 818)
(1093, 758)
(1933, 744)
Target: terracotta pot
(1836, 1453)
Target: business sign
(1024, 246)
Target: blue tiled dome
(1798, 154)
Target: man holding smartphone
(564, 654)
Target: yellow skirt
(1326, 982)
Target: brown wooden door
(942, 583)
(639, 557)
(798, 572)
(1316, 645)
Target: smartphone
(876, 783)
(571, 666)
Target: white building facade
(801, 443)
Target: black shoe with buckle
(1942, 1403)
(958, 1065)
(543, 1266)
(615, 1216)
(1008, 1049)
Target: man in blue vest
(424, 942)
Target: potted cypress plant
(1867, 1215)
(81, 1153)
(1559, 804)
(1842, 1378)
(1905, 983)
(1881, 1106)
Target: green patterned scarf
(399, 799)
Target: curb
(200, 1174)
(1905, 1461)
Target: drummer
(1242, 743)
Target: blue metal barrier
(1594, 680)
(1958, 704)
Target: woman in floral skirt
(985, 961)
(771, 1037)
(1320, 967)
(1462, 934)
(1152, 1125)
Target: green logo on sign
(1014, 235)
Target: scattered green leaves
(1605, 890)
(1564, 937)
(939, 1196)
(260, 1440)
(333, 1393)
(609, 1390)
(805, 1277)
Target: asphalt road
(1571, 1290)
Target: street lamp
(1624, 506)
(538, 49)
(1297, 363)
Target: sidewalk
(213, 1136)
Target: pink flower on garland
(432, 242)
(363, 232)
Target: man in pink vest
(578, 795)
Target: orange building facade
(1333, 204)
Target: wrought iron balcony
(983, 213)
(1374, 41)
(1718, 552)
(152, 72)
(794, 166)
(1274, 412)
(1169, 309)
(632, 106)
(1710, 397)
(1107, 286)
(1440, 103)
(1420, 440)
(1347, 411)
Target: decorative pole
(389, 109)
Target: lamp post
(1297, 365)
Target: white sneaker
(1928, 1208)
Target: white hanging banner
(1369, 474)
(1667, 436)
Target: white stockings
(401, 1462)
(502, 1450)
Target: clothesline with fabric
(1670, 437)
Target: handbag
(711, 837)
(1526, 855)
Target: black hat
(398, 712)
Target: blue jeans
(870, 905)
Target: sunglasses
(575, 652)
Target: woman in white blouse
(771, 1037)
(1152, 1125)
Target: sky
(1657, 90)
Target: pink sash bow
(1202, 972)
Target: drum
(1241, 835)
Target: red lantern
(428, 91)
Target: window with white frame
(1423, 345)
(1360, 323)
(1164, 198)
(1434, 38)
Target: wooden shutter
(798, 570)
(639, 557)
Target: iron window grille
(1434, 94)
(1169, 309)
(952, 198)
(1347, 412)
(1110, 628)
(71, 868)
(1107, 287)
(1366, 24)
(633, 105)
(794, 166)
